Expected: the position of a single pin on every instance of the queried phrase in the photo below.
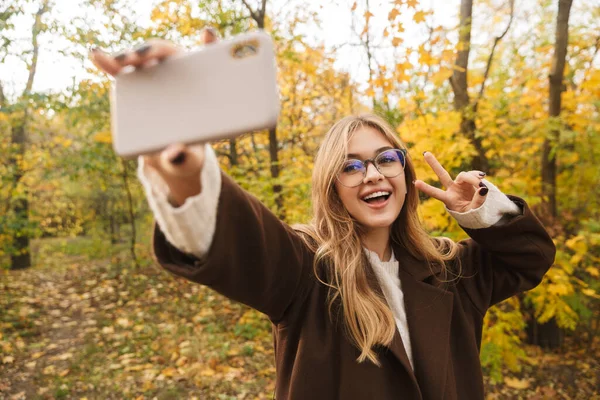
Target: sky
(56, 72)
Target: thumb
(479, 198)
(180, 161)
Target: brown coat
(257, 260)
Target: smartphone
(220, 91)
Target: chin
(378, 223)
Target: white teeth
(376, 194)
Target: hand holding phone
(179, 165)
(212, 93)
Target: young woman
(364, 303)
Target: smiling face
(377, 201)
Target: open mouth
(377, 197)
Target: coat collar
(415, 267)
(429, 315)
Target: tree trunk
(259, 17)
(555, 78)
(113, 228)
(131, 212)
(274, 155)
(21, 257)
(460, 87)
(233, 157)
(549, 335)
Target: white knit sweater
(191, 227)
(387, 275)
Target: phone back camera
(246, 49)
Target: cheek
(403, 189)
(399, 185)
(346, 195)
(403, 185)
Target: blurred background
(510, 87)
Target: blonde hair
(335, 237)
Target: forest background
(510, 87)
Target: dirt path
(48, 328)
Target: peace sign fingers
(435, 165)
(431, 191)
(460, 193)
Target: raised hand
(462, 194)
(178, 165)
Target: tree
(18, 204)
(259, 15)
(460, 86)
(549, 334)
(556, 88)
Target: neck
(378, 240)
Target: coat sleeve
(254, 258)
(503, 260)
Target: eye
(352, 166)
(388, 157)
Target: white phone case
(220, 91)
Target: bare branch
(252, 12)
(339, 46)
(491, 57)
(368, 48)
(34, 40)
(586, 73)
(428, 73)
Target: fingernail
(210, 29)
(483, 191)
(413, 182)
(481, 184)
(143, 49)
(482, 174)
(424, 152)
(179, 158)
(120, 57)
(94, 50)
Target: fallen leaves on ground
(102, 330)
(105, 330)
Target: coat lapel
(398, 349)
(429, 315)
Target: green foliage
(501, 342)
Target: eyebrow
(379, 150)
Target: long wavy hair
(335, 237)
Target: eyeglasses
(389, 163)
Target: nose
(372, 174)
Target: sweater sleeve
(496, 210)
(190, 228)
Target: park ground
(84, 325)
